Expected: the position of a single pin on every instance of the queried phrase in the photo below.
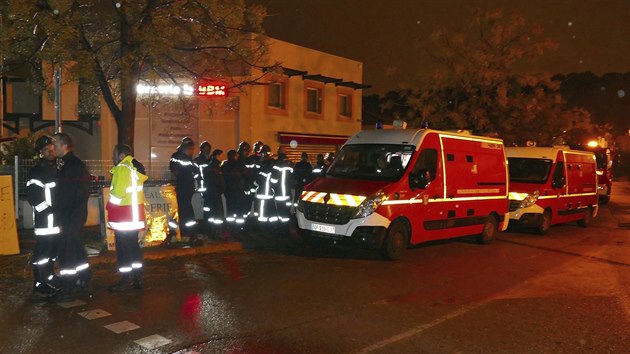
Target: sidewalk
(98, 254)
(620, 202)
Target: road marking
(94, 314)
(70, 304)
(152, 342)
(420, 328)
(121, 327)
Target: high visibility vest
(125, 207)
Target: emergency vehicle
(389, 189)
(551, 185)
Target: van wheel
(395, 243)
(489, 231)
(604, 199)
(587, 219)
(545, 223)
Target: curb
(162, 253)
(155, 253)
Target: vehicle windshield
(529, 170)
(372, 162)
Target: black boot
(84, 283)
(137, 279)
(66, 294)
(121, 285)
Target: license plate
(323, 228)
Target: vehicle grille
(326, 213)
(514, 204)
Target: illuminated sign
(166, 90)
(213, 89)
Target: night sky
(592, 35)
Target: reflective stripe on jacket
(125, 206)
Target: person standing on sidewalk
(126, 216)
(303, 174)
(201, 162)
(182, 166)
(71, 193)
(216, 188)
(234, 176)
(41, 181)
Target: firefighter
(282, 174)
(234, 176)
(182, 167)
(249, 163)
(320, 165)
(256, 150)
(303, 174)
(265, 206)
(40, 191)
(216, 188)
(72, 193)
(201, 162)
(126, 216)
(328, 160)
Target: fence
(157, 172)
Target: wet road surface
(566, 292)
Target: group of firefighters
(252, 182)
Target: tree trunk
(128, 79)
(126, 121)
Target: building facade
(310, 101)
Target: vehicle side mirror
(559, 182)
(419, 179)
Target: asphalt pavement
(565, 292)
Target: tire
(545, 223)
(489, 231)
(395, 242)
(604, 199)
(587, 219)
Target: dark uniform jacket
(40, 191)
(234, 174)
(216, 182)
(201, 179)
(184, 170)
(72, 192)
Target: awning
(287, 71)
(322, 78)
(312, 139)
(353, 85)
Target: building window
(314, 100)
(275, 99)
(276, 96)
(345, 105)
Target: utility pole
(57, 79)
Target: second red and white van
(389, 189)
(551, 185)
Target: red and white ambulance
(389, 189)
(551, 185)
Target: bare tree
(112, 45)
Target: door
(427, 217)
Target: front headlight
(369, 205)
(530, 200)
(599, 173)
